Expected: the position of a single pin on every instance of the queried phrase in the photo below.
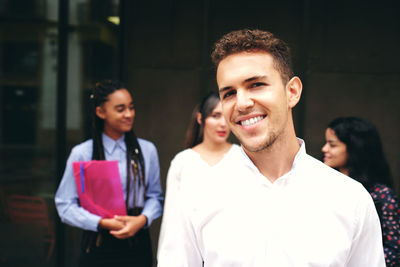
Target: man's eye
(257, 84)
(228, 94)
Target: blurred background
(53, 51)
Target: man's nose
(243, 100)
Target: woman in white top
(206, 148)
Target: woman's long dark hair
(194, 133)
(366, 160)
(134, 156)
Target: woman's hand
(111, 224)
(132, 224)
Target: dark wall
(346, 53)
(352, 70)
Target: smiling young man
(273, 205)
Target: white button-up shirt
(312, 216)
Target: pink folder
(99, 187)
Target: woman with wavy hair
(353, 146)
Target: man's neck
(276, 160)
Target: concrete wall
(346, 53)
(352, 70)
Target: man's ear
(293, 89)
(100, 112)
(199, 118)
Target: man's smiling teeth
(251, 121)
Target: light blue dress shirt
(66, 198)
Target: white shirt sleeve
(367, 246)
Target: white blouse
(186, 167)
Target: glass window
(28, 108)
(28, 73)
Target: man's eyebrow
(224, 89)
(255, 78)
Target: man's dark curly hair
(247, 40)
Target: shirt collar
(300, 154)
(110, 144)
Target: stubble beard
(266, 145)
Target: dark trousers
(103, 249)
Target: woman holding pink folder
(122, 239)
